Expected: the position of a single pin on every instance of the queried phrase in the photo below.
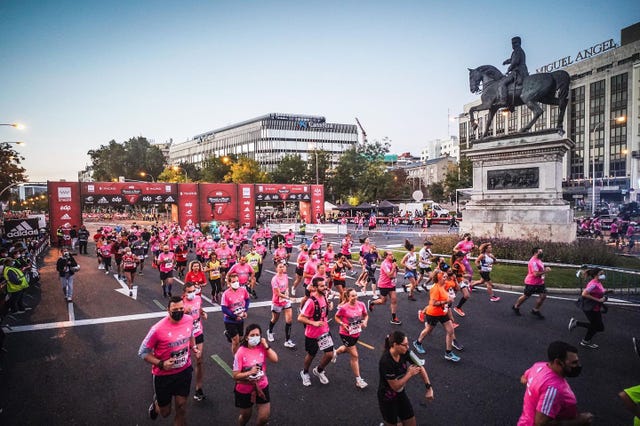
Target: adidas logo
(66, 217)
(23, 229)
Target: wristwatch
(427, 386)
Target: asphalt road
(77, 364)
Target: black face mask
(540, 256)
(177, 315)
(573, 371)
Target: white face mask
(191, 296)
(314, 257)
(253, 340)
(235, 285)
(602, 277)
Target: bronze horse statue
(548, 88)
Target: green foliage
(458, 177)
(291, 169)
(11, 172)
(323, 165)
(247, 170)
(128, 159)
(217, 169)
(436, 192)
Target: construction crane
(364, 134)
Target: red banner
(218, 201)
(247, 206)
(188, 206)
(271, 192)
(317, 202)
(121, 193)
(64, 206)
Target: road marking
(125, 288)
(222, 364)
(365, 345)
(159, 305)
(72, 313)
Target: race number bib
(168, 265)
(325, 341)
(197, 325)
(354, 328)
(452, 294)
(180, 357)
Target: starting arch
(191, 202)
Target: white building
(440, 148)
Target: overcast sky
(81, 73)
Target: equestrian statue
(516, 88)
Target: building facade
(602, 118)
(430, 172)
(268, 139)
(440, 148)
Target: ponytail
(395, 337)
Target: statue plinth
(517, 188)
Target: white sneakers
(306, 380)
(289, 344)
(270, 336)
(361, 384)
(320, 375)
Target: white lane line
(72, 313)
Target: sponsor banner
(188, 207)
(317, 202)
(271, 192)
(128, 193)
(218, 201)
(247, 206)
(64, 206)
(15, 229)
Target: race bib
(180, 357)
(168, 265)
(452, 294)
(354, 328)
(197, 325)
(325, 341)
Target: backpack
(317, 312)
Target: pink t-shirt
(535, 265)
(279, 254)
(280, 282)
(465, 246)
(235, 301)
(596, 289)
(289, 238)
(351, 316)
(310, 268)
(547, 393)
(244, 272)
(384, 281)
(166, 261)
(345, 246)
(169, 340)
(302, 259)
(192, 307)
(244, 360)
(224, 256)
(308, 310)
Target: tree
(11, 172)
(321, 160)
(217, 169)
(458, 177)
(127, 159)
(247, 170)
(291, 169)
(436, 192)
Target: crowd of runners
(228, 262)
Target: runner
(139, 249)
(105, 252)
(339, 274)
(225, 254)
(424, 264)
(167, 348)
(396, 369)
(129, 265)
(345, 246)
(387, 286)
(249, 372)
(255, 260)
(352, 318)
(215, 277)
(197, 276)
(279, 254)
(166, 262)
(193, 307)
(181, 251)
(466, 246)
(593, 298)
(485, 262)
(301, 261)
(314, 316)
(368, 275)
(281, 302)
(436, 312)
(289, 239)
(234, 305)
(410, 263)
(245, 274)
(534, 284)
(463, 277)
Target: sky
(81, 73)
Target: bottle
(416, 359)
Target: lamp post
(619, 120)
(178, 168)
(145, 174)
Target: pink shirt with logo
(345, 246)
(235, 300)
(351, 317)
(289, 238)
(224, 256)
(386, 268)
(169, 340)
(244, 272)
(192, 307)
(548, 393)
(281, 282)
(596, 289)
(244, 360)
(308, 310)
(310, 268)
(535, 265)
(166, 261)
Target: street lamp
(619, 120)
(145, 174)
(178, 168)
(16, 125)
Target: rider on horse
(516, 72)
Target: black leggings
(594, 325)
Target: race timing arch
(191, 202)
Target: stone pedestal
(517, 189)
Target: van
(438, 211)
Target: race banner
(188, 207)
(218, 201)
(247, 204)
(128, 193)
(16, 229)
(272, 192)
(317, 202)
(64, 206)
